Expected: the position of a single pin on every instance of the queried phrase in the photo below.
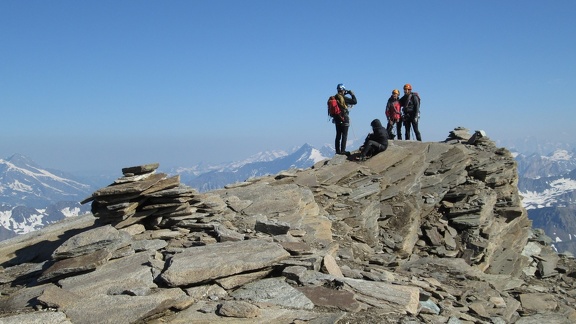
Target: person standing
(346, 99)
(393, 115)
(410, 103)
(375, 142)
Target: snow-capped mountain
(189, 173)
(557, 163)
(548, 180)
(32, 197)
(23, 182)
(258, 165)
(536, 145)
(547, 184)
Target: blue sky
(109, 84)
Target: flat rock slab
(139, 169)
(538, 302)
(385, 295)
(200, 264)
(130, 187)
(99, 309)
(199, 313)
(273, 291)
(56, 297)
(126, 273)
(105, 237)
(40, 244)
(72, 266)
(37, 317)
(240, 309)
(341, 299)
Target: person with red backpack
(410, 103)
(345, 99)
(394, 116)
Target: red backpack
(393, 111)
(333, 108)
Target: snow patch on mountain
(17, 186)
(559, 155)
(317, 156)
(22, 182)
(22, 220)
(71, 211)
(546, 180)
(548, 197)
(32, 197)
(38, 174)
(30, 223)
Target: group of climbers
(405, 110)
(399, 111)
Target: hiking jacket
(410, 105)
(393, 109)
(379, 133)
(344, 102)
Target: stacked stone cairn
(144, 195)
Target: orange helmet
(395, 91)
(407, 86)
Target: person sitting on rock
(375, 142)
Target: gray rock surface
(421, 233)
(216, 261)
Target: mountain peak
(23, 182)
(21, 160)
(404, 236)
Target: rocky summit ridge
(422, 233)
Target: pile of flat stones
(143, 194)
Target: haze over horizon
(106, 84)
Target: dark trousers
(371, 147)
(414, 124)
(398, 129)
(341, 138)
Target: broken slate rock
(272, 227)
(239, 309)
(273, 291)
(219, 260)
(104, 237)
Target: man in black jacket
(410, 103)
(375, 142)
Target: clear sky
(109, 84)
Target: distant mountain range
(547, 184)
(31, 197)
(255, 166)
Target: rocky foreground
(422, 233)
